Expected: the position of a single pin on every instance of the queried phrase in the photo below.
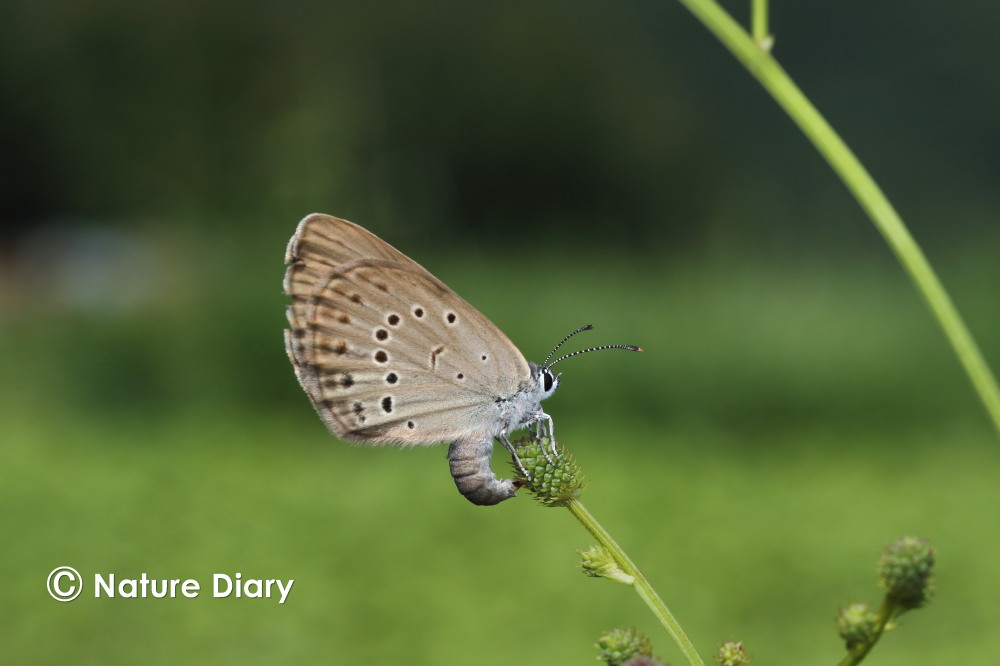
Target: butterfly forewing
(385, 351)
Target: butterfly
(388, 354)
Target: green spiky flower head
(856, 624)
(620, 645)
(905, 570)
(553, 479)
(732, 653)
(598, 563)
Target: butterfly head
(546, 380)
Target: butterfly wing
(386, 352)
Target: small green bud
(856, 624)
(620, 645)
(552, 483)
(597, 562)
(732, 653)
(905, 570)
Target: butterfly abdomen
(469, 460)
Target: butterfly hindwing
(385, 351)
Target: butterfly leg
(545, 428)
(510, 447)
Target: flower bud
(620, 645)
(732, 653)
(905, 570)
(856, 624)
(597, 562)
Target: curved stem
(774, 79)
(641, 585)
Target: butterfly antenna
(579, 330)
(584, 351)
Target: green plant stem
(774, 79)
(758, 22)
(641, 585)
(885, 613)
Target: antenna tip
(587, 327)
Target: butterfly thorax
(524, 406)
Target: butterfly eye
(548, 381)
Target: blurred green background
(557, 164)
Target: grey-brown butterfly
(390, 355)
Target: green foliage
(177, 442)
(793, 395)
(551, 121)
